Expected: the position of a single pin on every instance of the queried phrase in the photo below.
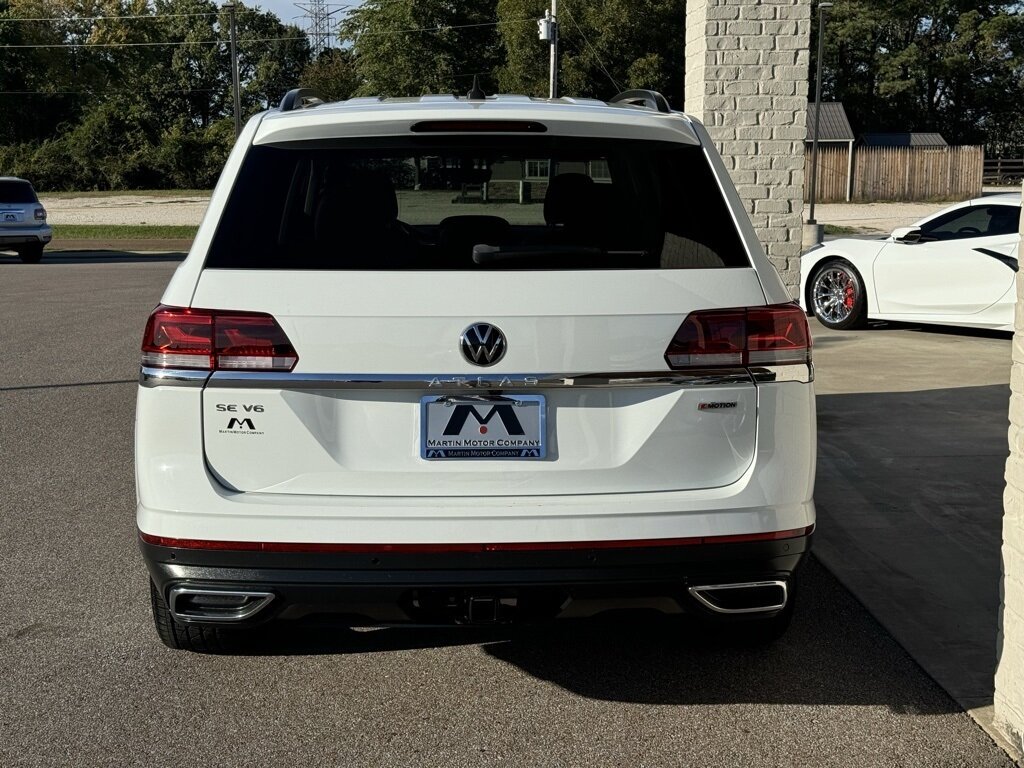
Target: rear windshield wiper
(549, 256)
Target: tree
(271, 57)
(605, 46)
(332, 74)
(133, 93)
(413, 47)
(952, 66)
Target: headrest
(360, 199)
(473, 226)
(569, 199)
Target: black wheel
(837, 298)
(186, 637)
(31, 254)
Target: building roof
(903, 140)
(834, 124)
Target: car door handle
(1007, 260)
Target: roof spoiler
(300, 98)
(641, 97)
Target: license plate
(483, 427)
(11, 217)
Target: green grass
(122, 232)
(126, 192)
(835, 229)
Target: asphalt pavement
(912, 447)
(86, 682)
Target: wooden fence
(1004, 170)
(897, 173)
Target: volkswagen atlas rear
(473, 361)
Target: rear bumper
(29, 236)
(369, 587)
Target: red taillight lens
(709, 339)
(777, 335)
(772, 335)
(212, 339)
(178, 338)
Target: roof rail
(641, 97)
(300, 98)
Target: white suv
(473, 360)
(23, 227)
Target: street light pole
(234, 69)
(822, 8)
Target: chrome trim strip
(176, 377)
(460, 382)
(240, 614)
(171, 377)
(770, 374)
(697, 592)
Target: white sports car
(956, 267)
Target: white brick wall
(746, 79)
(1009, 696)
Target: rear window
(476, 202)
(17, 192)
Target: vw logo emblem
(482, 344)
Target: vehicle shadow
(909, 498)
(945, 330)
(834, 653)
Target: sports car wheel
(837, 296)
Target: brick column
(1009, 696)
(746, 80)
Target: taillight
(772, 335)
(210, 340)
(40, 214)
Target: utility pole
(548, 32)
(234, 69)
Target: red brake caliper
(849, 295)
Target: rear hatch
(301, 434)
(393, 264)
(17, 204)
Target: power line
(443, 27)
(139, 15)
(168, 42)
(113, 18)
(593, 50)
(108, 90)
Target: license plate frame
(505, 414)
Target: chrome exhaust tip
(200, 604)
(743, 597)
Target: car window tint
(17, 192)
(476, 202)
(976, 221)
(1005, 220)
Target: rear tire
(31, 254)
(185, 637)
(837, 297)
